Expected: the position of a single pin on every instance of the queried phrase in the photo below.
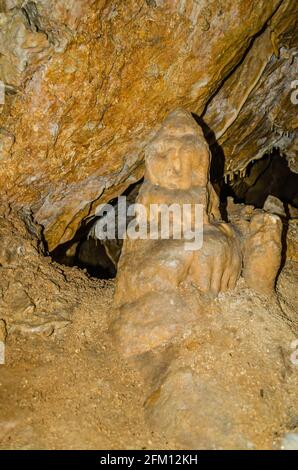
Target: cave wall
(88, 81)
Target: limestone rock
(262, 252)
(292, 241)
(218, 386)
(184, 402)
(3, 331)
(150, 266)
(152, 321)
(275, 206)
(152, 272)
(210, 271)
(95, 78)
(257, 97)
(177, 170)
(31, 302)
(22, 49)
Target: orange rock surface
(88, 81)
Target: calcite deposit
(170, 320)
(262, 255)
(154, 274)
(222, 379)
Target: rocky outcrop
(87, 82)
(255, 110)
(31, 302)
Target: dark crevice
(217, 165)
(267, 176)
(98, 258)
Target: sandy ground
(71, 390)
(65, 386)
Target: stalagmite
(152, 273)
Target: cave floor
(72, 389)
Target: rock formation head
(178, 157)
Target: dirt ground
(71, 390)
(64, 385)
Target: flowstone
(155, 276)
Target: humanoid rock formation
(155, 277)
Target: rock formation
(262, 256)
(188, 108)
(222, 377)
(154, 274)
(168, 312)
(86, 82)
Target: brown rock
(292, 241)
(218, 387)
(262, 252)
(150, 271)
(178, 156)
(31, 302)
(152, 321)
(216, 266)
(177, 171)
(95, 78)
(150, 266)
(274, 206)
(3, 331)
(21, 48)
(185, 402)
(253, 112)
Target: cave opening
(269, 176)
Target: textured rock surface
(253, 111)
(31, 302)
(225, 380)
(151, 271)
(166, 310)
(292, 240)
(87, 82)
(274, 206)
(154, 274)
(210, 391)
(262, 252)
